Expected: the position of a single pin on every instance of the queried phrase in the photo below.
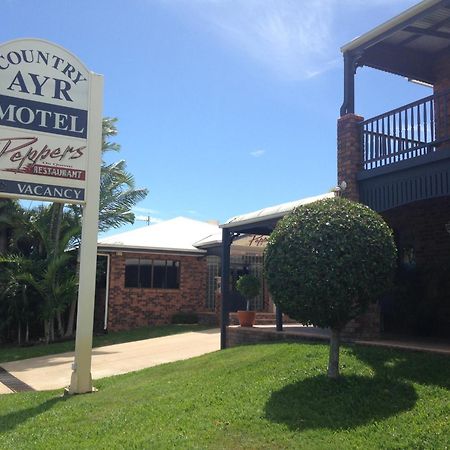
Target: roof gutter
(277, 215)
(160, 250)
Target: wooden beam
(429, 32)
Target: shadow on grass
(346, 403)
(419, 367)
(10, 421)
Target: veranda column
(349, 154)
(225, 287)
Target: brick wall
(442, 73)
(136, 307)
(349, 163)
(349, 154)
(442, 105)
(365, 326)
(421, 225)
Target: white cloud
(257, 153)
(296, 39)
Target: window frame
(168, 263)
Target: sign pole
(81, 380)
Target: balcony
(405, 154)
(401, 156)
(403, 134)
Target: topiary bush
(248, 286)
(325, 262)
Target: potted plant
(248, 286)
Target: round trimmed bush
(326, 261)
(248, 286)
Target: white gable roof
(175, 235)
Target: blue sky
(224, 106)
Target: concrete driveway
(54, 371)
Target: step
(262, 318)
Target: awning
(408, 44)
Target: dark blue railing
(410, 131)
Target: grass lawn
(10, 353)
(273, 396)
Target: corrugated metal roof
(272, 212)
(398, 22)
(408, 43)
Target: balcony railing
(411, 131)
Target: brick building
(154, 272)
(398, 163)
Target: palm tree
(37, 259)
(9, 211)
(118, 192)
(118, 195)
(40, 263)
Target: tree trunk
(19, 333)
(47, 331)
(52, 329)
(60, 324)
(27, 333)
(333, 362)
(55, 223)
(73, 306)
(71, 319)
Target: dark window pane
(159, 274)
(173, 274)
(145, 273)
(132, 273)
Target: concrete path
(53, 371)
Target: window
(148, 273)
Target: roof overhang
(115, 248)
(263, 221)
(408, 44)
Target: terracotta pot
(246, 318)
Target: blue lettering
(19, 82)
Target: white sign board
(50, 149)
(44, 101)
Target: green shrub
(248, 286)
(327, 261)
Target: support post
(348, 106)
(279, 318)
(225, 287)
(81, 380)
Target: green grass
(14, 353)
(273, 396)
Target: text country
(34, 56)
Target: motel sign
(44, 101)
(50, 150)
